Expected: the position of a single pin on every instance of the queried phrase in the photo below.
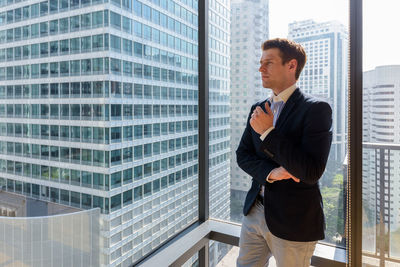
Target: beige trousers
(257, 244)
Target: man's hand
(281, 173)
(261, 121)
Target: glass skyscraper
(249, 29)
(99, 108)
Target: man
(284, 148)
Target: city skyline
(282, 13)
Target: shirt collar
(284, 95)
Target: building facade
(249, 28)
(325, 73)
(98, 108)
(381, 165)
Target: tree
(332, 194)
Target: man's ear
(292, 64)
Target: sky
(381, 20)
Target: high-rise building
(325, 73)
(249, 28)
(219, 134)
(381, 161)
(98, 108)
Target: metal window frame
(354, 185)
(203, 125)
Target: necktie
(276, 107)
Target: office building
(99, 108)
(381, 161)
(325, 73)
(249, 29)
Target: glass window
(53, 6)
(44, 8)
(116, 66)
(127, 197)
(137, 28)
(138, 193)
(26, 12)
(64, 46)
(44, 29)
(138, 152)
(116, 202)
(127, 87)
(97, 42)
(86, 156)
(86, 21)
(380, 152)
(63, 25)
(75, 199)
(74, 3)
(97, 66)
(64, 4)
(54, 48)
(127, 46)
(98, 181)
(35, 30)
(115, 20)
(138, 70)
(74, 23)
(115, 157)
(34, 10)
(115, 43)
(127, 24)
(137, 8)
(75, 45)
(138, 49)
(97, 19)
(44, 49)
(75, 67)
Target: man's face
(273, 73)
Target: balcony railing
(184, 246)
(381, 210)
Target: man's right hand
(281, 173)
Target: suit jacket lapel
(288, 107)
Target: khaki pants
(257, 244)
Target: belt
(260, 199)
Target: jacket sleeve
(248, 160)
(306, 159)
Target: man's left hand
(281, 173)
(261, 121)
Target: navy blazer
(300, 143)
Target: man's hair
(288, 50)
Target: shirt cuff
(262, 137)
(268, 180)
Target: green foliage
(395, 241)
(332, 191)
(338, 180)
